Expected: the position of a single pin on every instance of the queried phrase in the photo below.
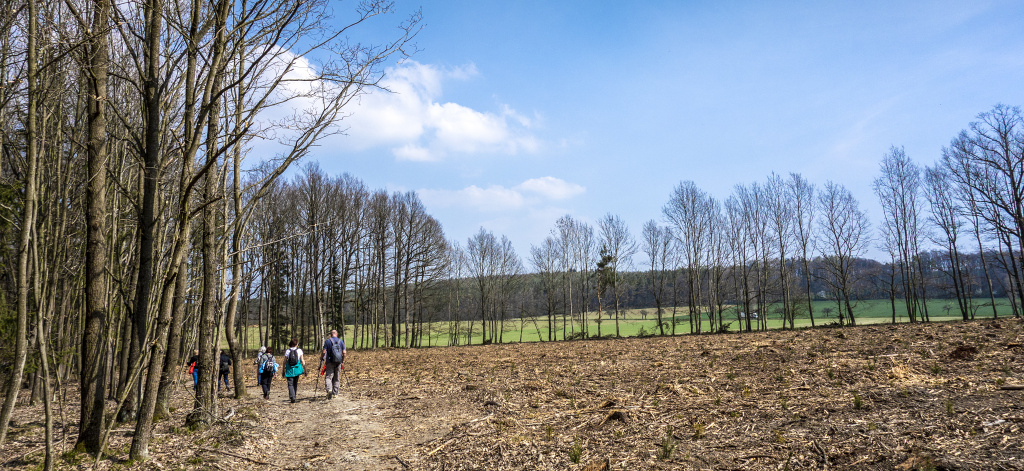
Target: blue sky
(515, 113)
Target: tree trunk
(236, 276)
(148, 216)
(143, 426)
(206, 405)
(27, 221)
(93, 339)
(44, 361)
(169, 371)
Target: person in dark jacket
(225, 370)
(333, 355)
(193, 364)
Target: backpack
(268, 364)
(334, 354)
(224, 363)
(293, 357)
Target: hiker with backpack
(294, 366)
(334, 356)
(225, 370)
(259, 361)
(267, 370)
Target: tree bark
(169, 372)
(44, 361)
(94, 340)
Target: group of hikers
(332, 358)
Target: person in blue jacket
(267, 370)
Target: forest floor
(934, 396)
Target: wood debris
(880, 397)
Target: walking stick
(344, 373)
(316, 379)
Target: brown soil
(936, 396)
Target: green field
(632, 322)
(639, 322)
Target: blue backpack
(335, 353)
(268, 365)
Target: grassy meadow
(642, 322)
(639, 322)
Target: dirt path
(366, 427)
(353, 430)
(343, 431)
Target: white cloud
(414, 153)
(531, 194)
(513, 114)
(299, 81)
(551, 188)
(494, 198)
(408, 117)
(412, 120)
(463, 129)
(300, 77)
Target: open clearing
(932, 396)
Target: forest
(139, 223)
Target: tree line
(381, 268)
(140, 221)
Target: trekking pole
(316, 378)
(344, 373)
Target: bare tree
(960, 172)
(986, 164)
(348, 205)
(898, 189)
(576, 244)
(620, 246)
(545, 262)
(802, 194)
(945, 215)
(780, 212)
(845, 236)
(693, 215)
(717, 266)
(92, 380)
(754, 201)
(659, 246)
(27, 217)
(429, 267)
(739, 240)
(603, 272)
(583, 256)
(456, 264)
(494, 266)
(509, 268)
